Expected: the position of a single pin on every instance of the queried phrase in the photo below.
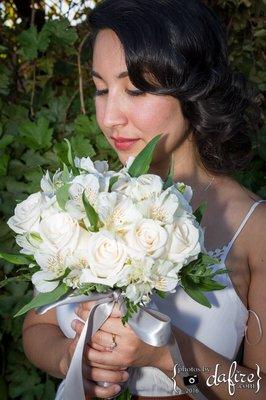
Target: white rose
(106, 255)
(185, 241)
(27, 215)
(59, 233)
(147, 237)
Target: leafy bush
(46, 96)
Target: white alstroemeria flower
(47, 185)
(162, 209)
(59, 233)
(123, 217)
(106, 254)
(136, 271)
(148, 237)
(49, 206)
(29, 243)
(165, 275)
(53, 266)
(185, 240)
(86, 164)
(183, 205)
(185, 190)
(89, 184)
(141, 188)
(101, 167)
(139, 293)
(27, 215)
(44, 281)
(105, 204)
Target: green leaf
(30, 42)
(200, 211)
(142, 162)
(4, 160)
(161, 294)
(169, 180)
(62, 195)
(16, 259)
(36, 135)
(207, 285)
(92, 215)
(82, 147)
(62, 34)
(42, 299)
(198, 296)
(112, 181)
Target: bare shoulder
(257, 240)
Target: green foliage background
(45, 96)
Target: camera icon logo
(190, 380)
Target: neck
(188, 169)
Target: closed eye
(130, 92)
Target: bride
(161, 67)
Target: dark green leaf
(200, 211)
(142, 162)
(91, 213)
(17, 259)
(44, 299)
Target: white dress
(221, 327)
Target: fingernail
(117, 389)
(125, 376)
(73, 324)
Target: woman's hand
(93, 373)
(129, 350)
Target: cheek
(161, 115)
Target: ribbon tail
(151, 326)
(182, 370)
(73, 388)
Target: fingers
(105, 358)
(103, 375)
(105, 340)
(94, 390)
(83, 310)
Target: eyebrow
(123, 74)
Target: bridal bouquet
(92, 230)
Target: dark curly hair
(178, 48)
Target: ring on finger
(114, 344)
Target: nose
(114, 111)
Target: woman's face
(128, 118)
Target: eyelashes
(130, 92)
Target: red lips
(124, 143)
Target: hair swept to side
(178, 48)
